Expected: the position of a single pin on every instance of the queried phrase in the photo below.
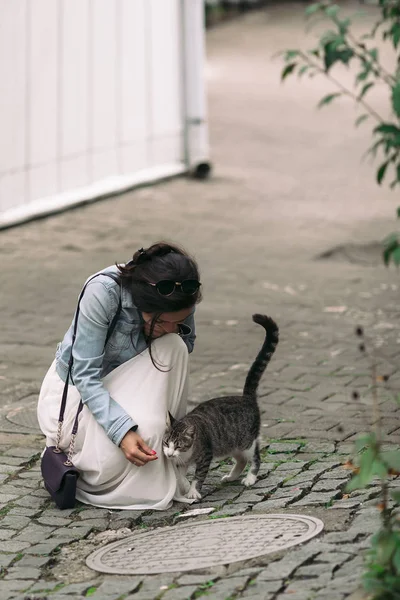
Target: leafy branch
(339, 46)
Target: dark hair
(160, 261)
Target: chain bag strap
(59, 474)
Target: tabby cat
(222, 427)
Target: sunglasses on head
(165, 287)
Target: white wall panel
(103, 78)
(12, 84)
(42, 76)
(90, 99)
(133, 75)
(165, 66)
(73, 172)
(12, 190)
(74, 77)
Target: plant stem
(341, 87)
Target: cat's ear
(190, 430)
(170, 420)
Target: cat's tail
(264, 356)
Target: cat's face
(178, 441)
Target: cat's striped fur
(222, 427)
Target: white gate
(96, 96)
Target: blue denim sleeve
(189, 338)
(97, 309)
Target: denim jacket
(93, 360)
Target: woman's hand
(135, 450)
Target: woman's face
(166, 322)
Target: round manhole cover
(24, 416)
(205, 544)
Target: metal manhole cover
(24, 416)
(205, 544)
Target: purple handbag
(59, 474)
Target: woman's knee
(170, 347)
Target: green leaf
(396, 257)
(379, 469)
(374, 53)
(364, 90)
(396, 496)
(344, 26)
(364, 441)
(287, 70)
(361, 119)
(396, 99)
(290, 54)
(381, 172)
(395, 31)
(398, 212)
(396, 561)
(312, 9)
(387, 128)
(392, 457)
(328, 99)
(303, 70)
(386, 546)
(332, 11)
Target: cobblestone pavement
(288, 186)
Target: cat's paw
(193, 493)
(249, 480)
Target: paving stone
(305, 476)
(7, 534)
(33, 561)
(345, 504)
(315, 499)
(5, 498)
(180, 593)
(75, 532)
(35, 533)
(225, 588)
(15, 522)
(6, 559)
(249, 497)
(269, 505)
(231, 510)
(21, 452)
(283, 447)
(79, 588)
(115, 587)
(313, 570)
(278, 570)
(16, 546)
(337, 474)
(319, 447)
(22, 511)
(35, 475)
(194, 579)
(45, 548)
(42, 585)
(12, 461)
(31, 502)
(9, 586)
(327, 485)
(98, 524)
(104, 513)
(22, 573)
(291, 466)
(54, 521)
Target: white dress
(107, 479)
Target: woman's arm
(188, 331)
(97, 309)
